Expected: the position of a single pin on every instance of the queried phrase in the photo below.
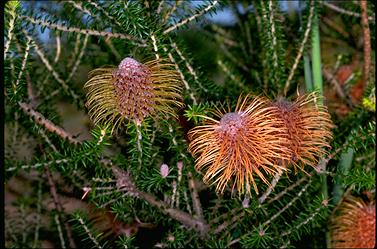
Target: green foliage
(49, 50)
(257, 238)
(196, 112)
(359, 179)
(84, 229)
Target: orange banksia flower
(132, 92)
(355, 224)
(239, 145)
(308, 126)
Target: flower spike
(132, 92)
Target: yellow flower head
(132, 92)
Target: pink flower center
(231, 123)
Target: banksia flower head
(132, 92)
(355, 224)
(308, 126)
(239, 146)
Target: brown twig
(229, 222)
(288, 204)
(50, 68)
(339, 90)
(59, 206)
(343, 11)
(301, 49)
(279, 195)
(191, 94)
(171, 10)
(195, 198)
(332, 24)
(270, 188)
(64, 28)
(367, 47)
(41, 120)
(225, 215)
(125, 184)
(189, 19)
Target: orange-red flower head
(259, 138)
(132, 92)
(355, 224)
(308, 126)
(239, 145)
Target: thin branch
(182, 76)
(222, 35)
(139, 147)
(171, 10)
(195, 198)
(187, 202)
(78, 60)
(50, 68)
(112, 48)
(79, 6)
(58, 49)
(91, 237)
(332, 24)
(82, 31)
(47, 124)
(159, 8)
(301, 49)
(233, 59)
(155, 48)
(60, 232)
(30, 93)
(271, 187)
(174, 194)
(125, 184)
(75, 50)
(279, 195)
(113, 20)
(273, 34)
(58, 206)
(13, 15)
(37, 165)
(346, 12)
(367, 46)
(26, 54)
(288, 204)
(339, 90)
(228, 72)
(233, 242)
(188, 66)
(38, 218)
(311, 217)
(174, 140)
(225, 215)
(180, 168)
(45, 137)
(183, 22)
(229, 222)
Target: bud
(164, 170)
(245, 202)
